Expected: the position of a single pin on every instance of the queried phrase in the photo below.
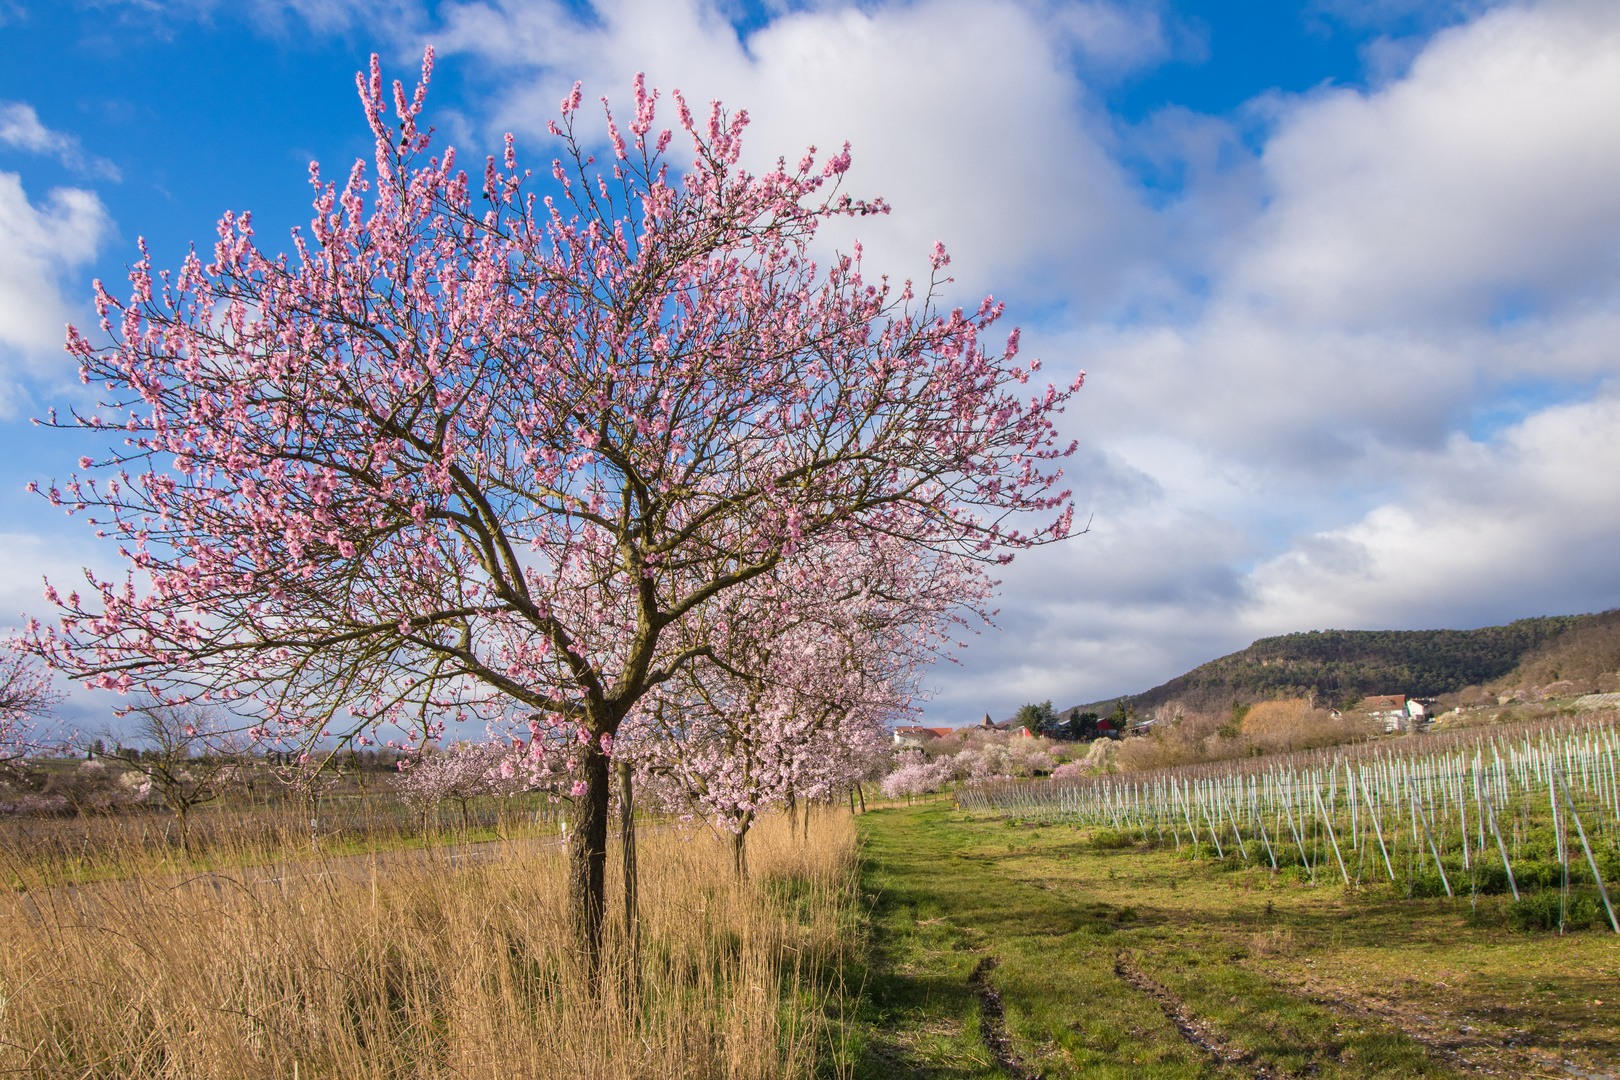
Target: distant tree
(190, 757)
(463, 774)
(26, 697)
(1037, 717)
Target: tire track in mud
(1193, 1030)
(993, 1022)
(1464, 1054)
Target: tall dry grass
(98, 846)
(430, 969)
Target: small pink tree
(474, 452)
(915, 775)
(803, 670)
(26, 697)
(461, 774)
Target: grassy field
(434, 968)
(1111, 959)
(968, 948)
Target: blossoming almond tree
(463, 773)
(804, 669)
(26, 697)
(471, 451)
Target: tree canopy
(477, 451)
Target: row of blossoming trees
(617, 464)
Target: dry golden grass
(1275, 942)
(429, 969)
(101, 846)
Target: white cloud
(965, 115)
(37, 245)
(21, 129)
(1525, 525)
(1394, 265)
(26, 560)
(1483, 181)
(1415, 253)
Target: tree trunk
(632, 912)
(859, 790)
(587, 858)
(739, 853)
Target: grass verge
(1125, 960)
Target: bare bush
(1281, 727)
(1270, 727)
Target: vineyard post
(1590, 861)
(1462, 818)
(1203, 804)
(1435, 850)
(1186, 809)
(1490, 813)
(1237, 834)
(1331, 838)
(1299, 841)
(1378, 831)
(1558, 844)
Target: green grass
(1095, 938)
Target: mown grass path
(1134, 962)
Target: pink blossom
(414, 535)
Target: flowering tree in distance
(469, 451)
(463, 773)
(26, 696)
(804, 668)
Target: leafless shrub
(1270, 727)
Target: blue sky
(1344, 274)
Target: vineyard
(1531, 811)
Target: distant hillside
(1343, 665)
(1590, 650)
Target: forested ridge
(1344, 665)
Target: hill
(1345, 665)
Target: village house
(918, 736)
(1396, 711)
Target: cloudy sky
(1344, 274)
